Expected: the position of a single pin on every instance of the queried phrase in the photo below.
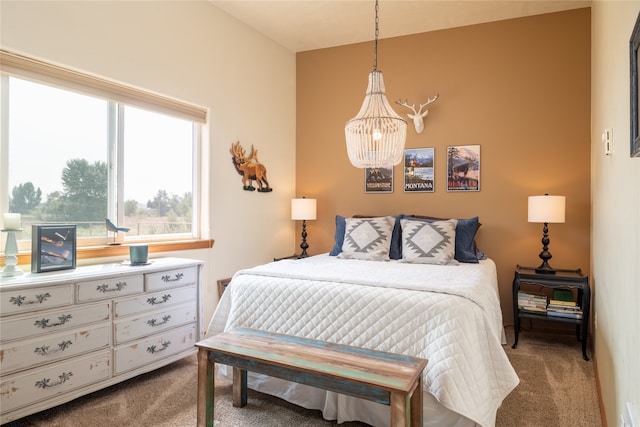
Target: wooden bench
(387, 378)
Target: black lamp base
(304, 245)
(545, 255)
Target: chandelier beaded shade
(376, 135)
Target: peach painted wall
(519, 88)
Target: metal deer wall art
(418, 116)
(249, 168)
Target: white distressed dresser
(68, 333)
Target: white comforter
(449, 315)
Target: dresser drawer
(28, 300)
(48, 348)
(155, 301)
(127, 329)
(155, 348)
(110, 288)
(24, 389)
(171, 278)
(53, 321)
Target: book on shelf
(563, 308)
(535, 303)
(562, 295)
(528, 296)
(562, 303)
(564, 314)
(533, 309)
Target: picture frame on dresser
(53, 247)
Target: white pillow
(367, 238)
(428, 242)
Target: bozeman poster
(378, 180)
(463, 168)
(419, 170)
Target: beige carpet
(557, 388)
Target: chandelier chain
(375, 45)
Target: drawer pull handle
(44, 323)
(167, 278)
(153, 349)
(104, 288)
(44, 350)
(46, 382)
(154, 300)
(21, 300)
(154, 322)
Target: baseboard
(603, 414)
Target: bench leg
(400, 410)
(406, 409)
(416, 405)
(206, 387)
(239, 387)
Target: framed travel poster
(418, 170)
(463, 168)
(378, 180)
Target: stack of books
(567, 309)
(533, 303)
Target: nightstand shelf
(562, 279)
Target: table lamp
(546, 209)
(303, 209)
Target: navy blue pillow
(465, 236)
(341, 225)
(395, 250)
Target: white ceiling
(301, 25)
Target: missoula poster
(378, 180)
(463, 168)
(418, 170)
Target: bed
(375, 296)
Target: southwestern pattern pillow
(367, 238)
(428, 242)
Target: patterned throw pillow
(428, 242)
(367, 238)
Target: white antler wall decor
(418, 116)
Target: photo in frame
(463, 168)
(378, 180)
(634, 44)
(53, 247)
(419, 170)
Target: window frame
(117, 95)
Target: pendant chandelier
(376, 136)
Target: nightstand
(567, 279)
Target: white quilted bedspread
(449, 315)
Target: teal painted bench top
(387, 378)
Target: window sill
(106, 251)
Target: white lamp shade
(303, 208)
(546, 208)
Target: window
(78, 155)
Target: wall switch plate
(607, 139)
